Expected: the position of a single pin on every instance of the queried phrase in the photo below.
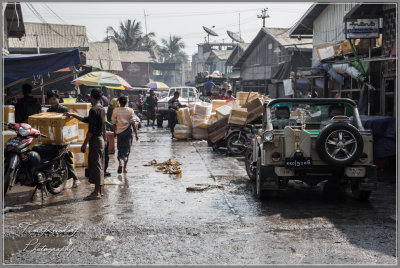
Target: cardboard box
(199, 121)
(81, 108)
(218, 134)
(254, 109)
(199, 133)
(219, 124)
(182, 132)
(8, 114)
(203, 109)
(58, 128)
(244, 97)
(82, 131)
(238, 116)
(215, 104)
(184, 116)
(223, 111)
(79, 159)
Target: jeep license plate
(298, 163)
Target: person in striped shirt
(123, 119)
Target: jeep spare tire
(339, 144)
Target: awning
(20, 66)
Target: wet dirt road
(148, 217)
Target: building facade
(270, 58)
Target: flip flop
(92, 197)
(119, 169)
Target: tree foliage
(172, 50)
(130, 37)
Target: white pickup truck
(187, 95)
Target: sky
(165, 19)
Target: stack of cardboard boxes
(205, 121)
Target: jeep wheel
(359, 194)
(249, 164)
(339, 144)
(260, 193)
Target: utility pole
(263, 15)
(240, 32)
(145, 20)
(37, 42)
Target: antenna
(263, 15)
(209, 32)
(235, 37)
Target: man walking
(56, 107)
(209, 85)
(152, 108)
(173, 106)
(96, 137)
(26, 106)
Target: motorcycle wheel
(234, 150)
(56, 185)
(9, 175)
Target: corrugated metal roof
(135, 56)
(51, 36)
(304, 26)
(281, 35)
(222, 54)
(236, 53)
(104, 55)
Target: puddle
(13, 245)
(113, 181)
(103, 238)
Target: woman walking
(123, 119)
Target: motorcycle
(43, 167)
(236, 139)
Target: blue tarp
(21, 66)
(384, 134)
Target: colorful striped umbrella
(157, 85)
(102, 79)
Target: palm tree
(130, 37)
(172, 50)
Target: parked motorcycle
(236, 139)
(43, 167)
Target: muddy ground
(147, 217)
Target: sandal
(92, 197)
(76, 183)
(119, 169)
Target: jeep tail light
(276, 156)
(363, 157)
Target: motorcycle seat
(46, 151)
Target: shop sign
(362, 28)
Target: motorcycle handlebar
(42, 135)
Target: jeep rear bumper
(364, 175)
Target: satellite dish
(235, 37)
(209, 32)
